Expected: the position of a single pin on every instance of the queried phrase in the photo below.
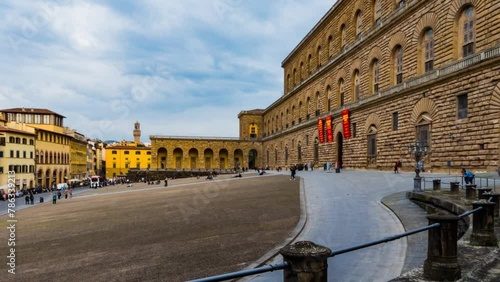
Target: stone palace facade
(371, 78)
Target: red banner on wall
(346, 124)
(320, 131)
(329, 131)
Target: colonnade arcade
(205, 159)
(49, 177)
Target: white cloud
(179, 67)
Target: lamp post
(418, 151)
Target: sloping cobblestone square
(170, 234)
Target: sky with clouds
(181, 68)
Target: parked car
(19, 193)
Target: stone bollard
(441, 263)
(481, 191)
(455, 187)
(308, 262)
(483, 225)
(436, 184)
(470, 192)
(495, 198)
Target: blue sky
(179, 67)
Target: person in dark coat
(32, 199)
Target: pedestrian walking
(27, 199)
(32, 199)
(54, 198)
(396, 167)
(65, 194)
(59, 195)
(166, 182)
(70, 193)
(292, 172)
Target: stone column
(495, 199)
(308, 262)
(481, 191)
(454, 187)
(470, 192)
(483, 225)
(441, 263)
(436, 184)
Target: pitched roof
(31, 110)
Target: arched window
(341, 92)
(342, 36)
(356, 85)
(330, 47)
(398, 63)
(300, 112)
(289, 82)
(301, 71)
(428, 49)
(371, 137)
(294, 78)
(281, 121)
(377, 12)
(308, 107)
(318, 103)
(318, 57)
(374, 76)
(316, 149)
(309, 67)
(293, 115)
(467, 34)
(423, 129)
(329, 97)
(276, 156)
(359, 24)
(299, 152)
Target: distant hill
(111, 141)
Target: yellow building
(52, 154)
(126, 155)
(78, 155)
(121, 157)
(17, 147)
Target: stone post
(470, 192)
(454, 187)
(495, 199)
(481, 191)
(441, 263)
(483, 225)
(436, 184)
(308, 262)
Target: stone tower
(137, 132)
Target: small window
(2, 141)
(1, 169)
(24, 154)
(148, 153)
(31, 142)
(114, 152)
(1, 154)
(395, 121)
(114, 165)
(137, 152)
(126, 152)
(462, 106)
(353, 130)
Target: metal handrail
(243, 273)
(284, 265)
(385, 240)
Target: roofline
(309, 34)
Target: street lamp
(418, 151)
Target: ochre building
(370, 79)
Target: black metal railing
(244, 273)
(285, 265)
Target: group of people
(57, 195)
